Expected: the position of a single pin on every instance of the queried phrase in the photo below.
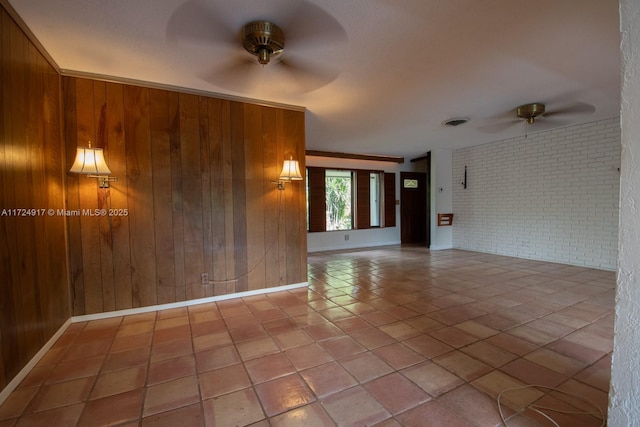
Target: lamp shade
(290, 171)
(90, 161)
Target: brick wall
(552, 196)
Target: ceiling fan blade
(236, 74)
(575, 108)
(195, 21)
(309, 26)
(305, 76)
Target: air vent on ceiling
(455, 122)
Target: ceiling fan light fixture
(263, 39)
(530, 111)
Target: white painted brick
(551, 196)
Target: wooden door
(413, 208)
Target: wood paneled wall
(34, 297)
(195, 178)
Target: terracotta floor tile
(16, 402)
(191, 416)
(171, 334)
(496, 382)
(454, 337)
(222, 381)
(438, 416)
(390, 320)
(171, 349)
(489, 354)
(342, 347)
(512, 344)
(399, 330)
(557, 362)
(66, 416)
(576, 351)
(365, 366)
(211, 341)
(101, 411)
(120, 381)
(352, 324)
(62, 394)
(597, 375)
(171, 369)
(427, 346)
(240, 408)
(432, 378)
(292, 339)
(282, 394)
(462, 365)
(372, 338)
(248, 332)
(531, 373)
(378, 318)
(127, 359)
(398, 356)
(269, 367)
(308, 415)
(340, 407)
(257, 347)
(171, 395)
(563, 419)
(583, 391)
(328, 379)
(308, 356)
(216, 358)
(396, 393)
(425, 323)
(131, 342)
(473, 405)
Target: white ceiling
(388, 71)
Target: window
(339, 195)
(339, 199)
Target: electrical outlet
(205, 278)
(346, 237)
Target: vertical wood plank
(216, 177)
(192, 194)
(104, 222)
(140, 196)
(272, 196)
(205, 176)
(239, 197)
(119, 225)
(177, 209)
(227, 155)
(254, 201)
(162, 195)
(88, 199)
(73, 197)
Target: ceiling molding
(373, 157)
(151, 85)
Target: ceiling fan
(536, 114)
(286, 46)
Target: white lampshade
(290, 171)
(90, 161)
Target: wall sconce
(290, 172)
(90, 161)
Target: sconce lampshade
(290, 171)
(90, 161)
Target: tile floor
(388, 336)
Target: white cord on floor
(538, 408)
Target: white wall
(551, 196)
(441, 198)
(624, 395)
